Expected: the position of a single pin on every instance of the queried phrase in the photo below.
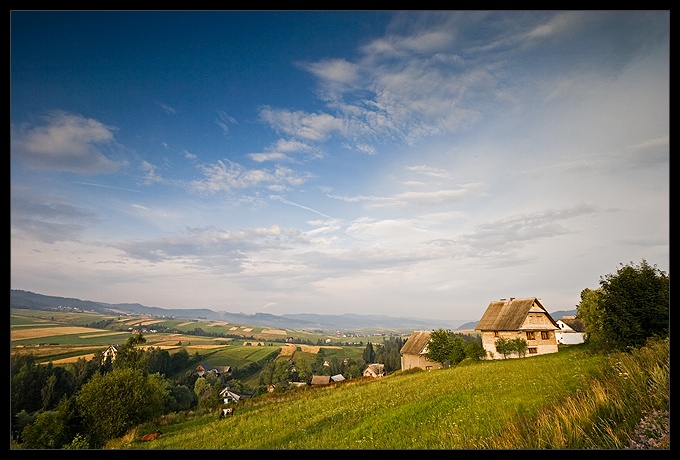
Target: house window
(533, 350)
(531, 335)
(495, 333)
(545, 335)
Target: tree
(179, 398)
(201, 386)
(633, 305)
(457, 349)
(54, 429)
(519, 345)
(445, 347)
(440, 346)
(475, 350)
(592, 315)
(369, 353)
(129, 356)
(119, 400)
(504, 347)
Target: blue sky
(407, 163)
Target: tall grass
(628, 387)
(567, 400)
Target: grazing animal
(227, 411)
(151, 436)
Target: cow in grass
(226, 411)
(151, 436)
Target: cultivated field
(62, 338)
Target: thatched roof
(576, 324)
(378, 368)
(321, 379)
(375, 370)
(509, 315)
(416, 344)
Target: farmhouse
(229, 396)
(413, 351)
(218, 371)
(374, 370)
(572, 330)
(110, 353)
(524, 318)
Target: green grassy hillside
(572, 399)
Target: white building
(572, 330)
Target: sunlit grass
(567, 400)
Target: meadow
(572, 399)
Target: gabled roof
(576, 324)
(510, 315)
(203, 367)
(416, 344)
(375, 369)
(321, 379)
(228, 392)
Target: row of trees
(53, 407)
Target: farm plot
(38, 333)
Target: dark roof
(510, 315)
(416, 343)
(576, 324)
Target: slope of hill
(31, 300)
(534, 403)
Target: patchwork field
(36, 333)
(64, 338)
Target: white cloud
(66, 142)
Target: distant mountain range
(300, 321)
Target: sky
(401, 163)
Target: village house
(110, 352)
(414, 350)
(218, 371)
(374, 370)
(229, 396)
(514, 318)
(572, 330)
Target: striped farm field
(73, 359)
(36, 333)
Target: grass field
(567, 400)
